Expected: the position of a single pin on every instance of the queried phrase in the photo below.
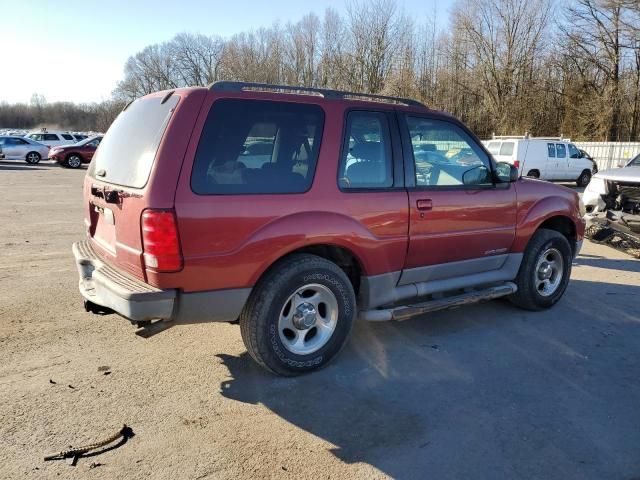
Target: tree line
(569, 68)
(64, 115)
(502, 66)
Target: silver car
(20, 148)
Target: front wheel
(544, 272)
(73, 161)
(584, 179)
(33, 158)
(299, 315)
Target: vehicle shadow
(20, 165)
(630, 265)
(488, 391)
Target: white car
(52, 138)
(615, 189)
(18, 148)
(545, 158)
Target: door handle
(424, 204)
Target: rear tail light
(516, 163)
(160, 241)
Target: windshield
(129, 147)
(82, 143)
(634, 162)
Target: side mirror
(476, 176)
(506, 172)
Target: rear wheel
(584, 178)
(33, 157)
(299, 315)
(533, 174)
(73, 161)
(544, 272)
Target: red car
(73, 156)
(296, 211)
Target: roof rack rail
(528, 136)
(231, 86)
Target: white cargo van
(551, 159)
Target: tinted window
(252, 146)
(494, 148)
(551, 148)
(50, 137)
(573, 151)
(446, 156)
(561, 151)
(366, 153)
(67, 136)
(128, 149)
(506, 148)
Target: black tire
(533, 174)
(32, 158)
(259, 319)
(528, 295)
(73, 161)
(584, 178)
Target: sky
(75, 50)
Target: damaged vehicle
(612, 199)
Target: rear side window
(561, 151)
(67, 136)
(551, 148)
(252, 147)
(494, 148)
(128, 149)
(366, 157)
(506, 148)
(51, 137)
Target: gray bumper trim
(138, 301)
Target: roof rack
(230, 86)
(528, 136)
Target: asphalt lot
(484, 392)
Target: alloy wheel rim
(74, 161)
(548, 272)
(32, 158)
(308, 319)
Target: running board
(405, 312)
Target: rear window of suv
(253, 147)
(128, 149)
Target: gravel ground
(487, 391)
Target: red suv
(296, 210)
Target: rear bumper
(138, 301)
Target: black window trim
(321, 132)
(397, 165)
(409, 165)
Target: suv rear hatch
(135, 168)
